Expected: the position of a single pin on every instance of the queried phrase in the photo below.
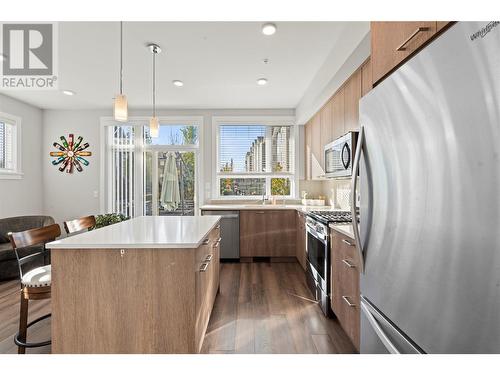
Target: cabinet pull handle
(402, 47)
(208, 258)
(203, 267)
(217, 243)
(347, 242)
(349, 303)
(259, 212)
(205, 241)
(218, 226)
(348, 264)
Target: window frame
(218, 121)
(139, 123)
(16, 173)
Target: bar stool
(35, 283)
(77, 225)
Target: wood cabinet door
(316, 151)
(441, 24)
(366, 77)
(301, 240)
(345, 298)
(352, 94)
(338, 113)
(252, 233)
(308, 149)
(393, 42)
(280, 233)
(326, 114)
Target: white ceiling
(219, 63)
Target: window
(254, 158)
(10, 146)
(151, 176)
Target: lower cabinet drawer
(207, 283)
(345, 298)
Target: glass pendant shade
(120, 108)
(154, 127)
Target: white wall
(69, 196)
(333, 74)
(24, 196)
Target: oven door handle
(318, 236)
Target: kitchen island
(146, 285)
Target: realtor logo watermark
(29, 56)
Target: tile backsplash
(337, 192)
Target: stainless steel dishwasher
(230, 233)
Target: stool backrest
(77, 225)
(32, 237)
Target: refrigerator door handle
(378, 330)
(354, 183)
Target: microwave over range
(339, 156)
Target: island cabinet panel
(132, 300)
(301, 240)
(345, 297)
(267, 233)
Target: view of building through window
(258, 152)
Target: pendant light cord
(121, 57)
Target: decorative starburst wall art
(71, 154)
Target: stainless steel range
(318, 253)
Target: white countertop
(345, 229)
(148, 232)
(256, 206)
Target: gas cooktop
(331, 216)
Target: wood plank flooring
(10, 295)
(261, 308)
(267, 308)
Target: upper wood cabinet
(326, 128)
(317, 170)
(352, 94)
(366, 77)
(338, 113)
(393, 42)
(441, 25)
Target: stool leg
(23, 323)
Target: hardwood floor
(267, 308)
(261, 308)
(10, 295)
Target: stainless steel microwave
(339, 156)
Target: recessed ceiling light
(268, 28)
(262, 81)
(69, 92)
(178, 83)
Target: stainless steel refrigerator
(429, 183)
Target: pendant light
(154, 126)
(120, 107)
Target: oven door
(317, 256)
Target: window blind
(122, 169)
